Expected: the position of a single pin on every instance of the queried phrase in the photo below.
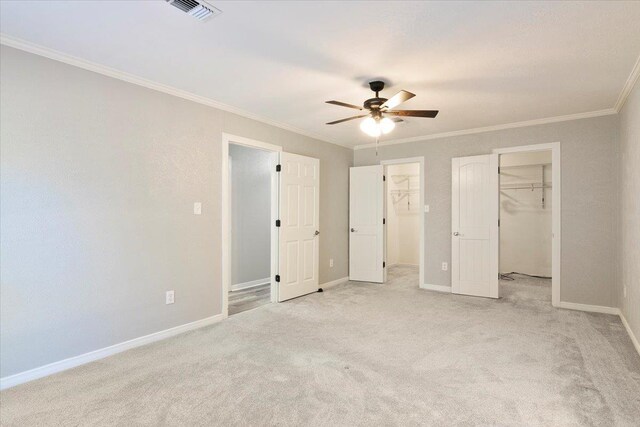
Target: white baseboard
(590, 308)
(634, 340)
(72, 362)
(251, 284)
(438, 288)
(334, 282)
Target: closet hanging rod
(525, 187)
(413, 175)
(524, 166)
(404, 191)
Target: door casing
(419, 160)
(556, 210)
(226, 216)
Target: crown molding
(130, 78)
(622, 98)
(526, 123)
(628, 86)
(149, 84)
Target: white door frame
(226, 215)
(422, 215)
(555, 209)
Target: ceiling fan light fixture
(376, 127)
(386, 125)
(371, 127)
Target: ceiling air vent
(198, 9)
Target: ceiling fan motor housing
(376, 85)
(374, 103)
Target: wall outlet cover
(197, 208)
(445, 266)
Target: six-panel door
(299, 225)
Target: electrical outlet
(197, 208)
(170, 297)
(445, 266)
(331, 262)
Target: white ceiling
(480, 63)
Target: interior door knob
(455, 233)
(353, 230)
(316, 233)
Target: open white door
(474, 223)
(299, 226)
(366, 215)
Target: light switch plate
(426, 208)
(331, 262)
(197, 208)
(170, 297)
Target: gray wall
(630, 209)
(589, 198)
(250, 213)
(98, 180)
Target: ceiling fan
(377, 120)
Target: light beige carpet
(361, 354)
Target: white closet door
(299, 225)
(474, 222)
(366, 214)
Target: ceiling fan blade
(397, 99)
(413, 113)
(344, 104)
(347, 119)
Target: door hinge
(277, 223)
(278, 278)
(498, 222)
(384, 264)
(278, 168)
(384, 221)
(384, 178)
(498, 170)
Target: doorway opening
(404, 221)
(250, 171)
(249, 235)
(529, 221)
